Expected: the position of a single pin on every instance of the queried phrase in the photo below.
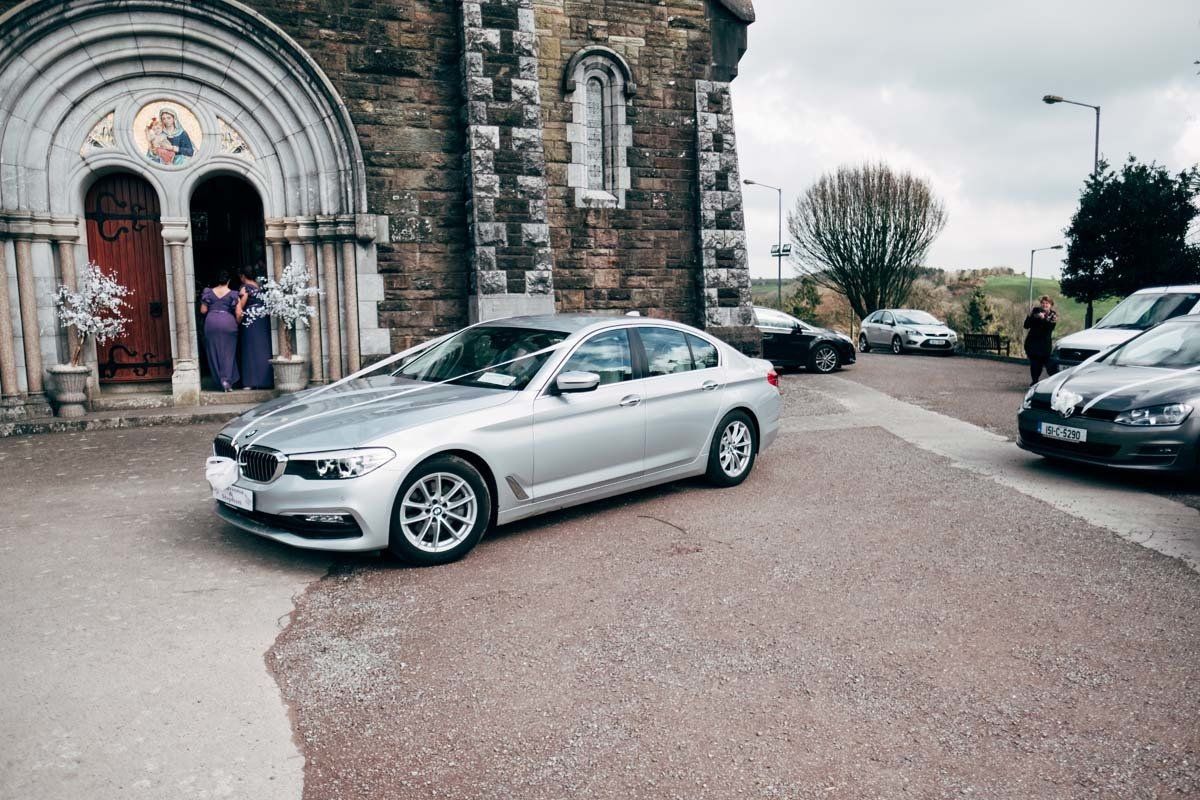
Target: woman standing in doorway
(1040, 324)
(222, 311)
(254, 346)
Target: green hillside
(1015, 288)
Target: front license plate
(1062, 432)
(236, 496)
(939, 343)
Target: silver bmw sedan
(497, 422)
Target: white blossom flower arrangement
(287, 301)
(97, 309)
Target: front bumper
(279, 508)
(930, 344)
(1166, 448)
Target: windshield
(1141, 311)
(916, 318)
(1174, 345)
(468, 358)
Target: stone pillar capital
(326, 226)
(366, 227)
(20, 225)
(306, 228)
(176, 230)
(291, 229)
(65, 229)
(276, 230)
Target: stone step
(128, 401)
(236, 397)
(125, 418)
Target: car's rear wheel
(864, 346)
(897, 346)
(441, 511)
(824, 359)
(733, 450)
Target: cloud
(951, 91)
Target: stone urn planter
(291, 374)
(69, 391)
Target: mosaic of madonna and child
(167, 134)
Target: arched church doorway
(124, 236)
(227, 234)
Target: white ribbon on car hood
(1061, 398)
(385, 397)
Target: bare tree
(864, 231)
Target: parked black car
(789, 342)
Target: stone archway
(82, 85)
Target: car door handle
(631, 400)
(709, 386)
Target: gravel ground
(790, 638)
(986, 393)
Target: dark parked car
(789, 342)
(1133, 407)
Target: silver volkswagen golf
(497, 422)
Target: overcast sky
(952, 91)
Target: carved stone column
(11, 404)
(65, 233)
(326, 230)
(307, 232)
(21, 229)
(276, 238)
(345, 233)
(185, 379)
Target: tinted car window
(1141, 311)
(1175, 345)
(886, 319)
(470, 357)
(666, 351)
(769, 318)
(704, 354)
(606, 354)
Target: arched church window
(599, 85)
(596, 136)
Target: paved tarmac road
(987, 393)
(889, 607)
(861, 619)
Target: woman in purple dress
(254, 346)
(221, 309)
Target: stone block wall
(643, 256)
(396, 64)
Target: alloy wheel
(825, 359)
(735, 449)
(897, 345)
(863, 345)
(438, 512)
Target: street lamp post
(1051, 99)
(1031, 252)
(779, 243)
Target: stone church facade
(430, 163)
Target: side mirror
(573, 382)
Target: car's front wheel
(897, 346)
(441, 511)
(733, 450)
(824, 359)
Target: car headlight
(1171, 414)
(1027, 403)
(912, 334)
(338, 464)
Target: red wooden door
(124, 235)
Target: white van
(1143, 309)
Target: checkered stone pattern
(511, 259)
(724, 267)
